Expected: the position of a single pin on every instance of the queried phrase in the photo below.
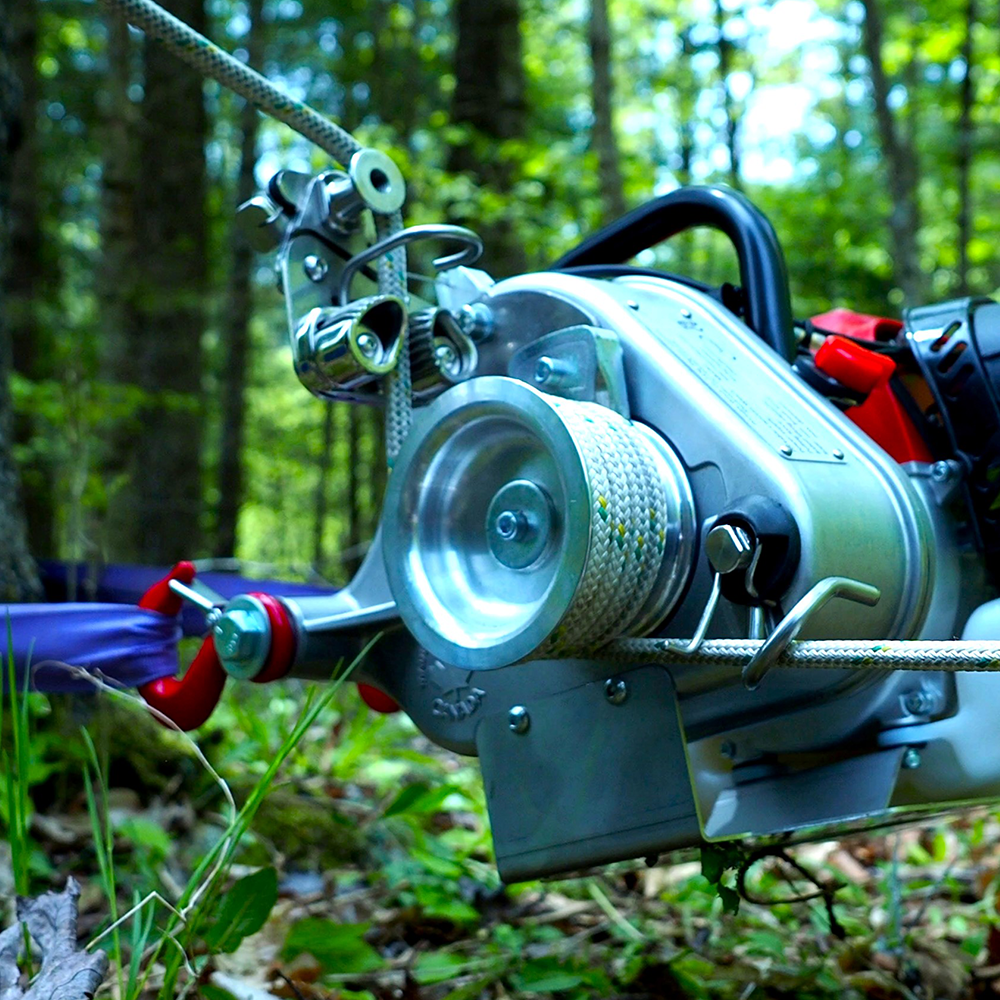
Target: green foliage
(717, 860)
(339, 948)
(242, 910)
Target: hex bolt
(615, 690)
(911, 759)
(728, 548)
(518, 720)
(368, 344)
(315, 267)
(240, 634)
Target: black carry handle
(762, 264)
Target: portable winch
(675, 567)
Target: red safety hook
(189, 700)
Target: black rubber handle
(762, 265)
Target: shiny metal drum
(520, 525)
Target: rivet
(632, 304)
(368, 344)
(686, 313)
(911, 759)
(786, 450)
(315, 267)
(838, 455)
(518, 720)
(615, 690)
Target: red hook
(376, 700)
(189, 700)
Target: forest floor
(367, 873)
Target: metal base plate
(589, 781)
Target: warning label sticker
(759, 402)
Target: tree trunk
(117, 280)
(602, 98)
(18, 574)
(725, 50)
(236, 321)
(965, 146)
(489, 97)
(29, 278)
(900, 162)
(170, 264)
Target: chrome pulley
(521, 525)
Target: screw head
(476, 321)
(368, 344)
(838, 455)
(543, 370)
(940, 472)
(911, 759)
(786, 450)
(686, 313)
(518, 720)
(728, 749)
(615, 690)
(728, 548)
(510, 524)
(315, 267)
(632, 304)
(918, 703)
(447, 358)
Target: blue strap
(127, 583)
(127, 644)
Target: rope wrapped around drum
(520, 525)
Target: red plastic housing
(861, 326)
(881, 416)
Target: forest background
(155, 413)
(148, 410)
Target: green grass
(16, 768)
(189, 922)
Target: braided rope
(627, 507)
(211, 61)
(825, 654)
(392, 281)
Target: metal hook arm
(471, 250)
(788, 628)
